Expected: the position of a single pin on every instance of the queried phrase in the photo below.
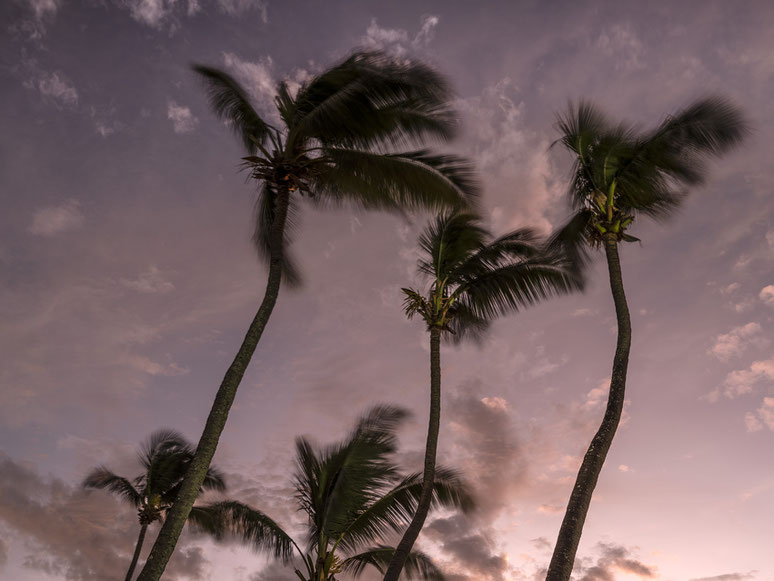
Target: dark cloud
(473, 551)
(75, 534)
(614, 558)
(728, 577)
(485, 446)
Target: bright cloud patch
(237, 7)
(397, 41)
(147, 365)
(44, 8)
(762, 417)
(736, 341)
(53, 220)
(151, 281)
(55, 87)
(150, 12)
(767, 295)
(743, 381)
(182, 119)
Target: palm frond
(340, 480)
(418, 564)
(250, 525)
(397, 182)
(103, 479)
(415, 303)
(370, 99)
(512, 287)
(208, 519)
(393, 510)
(264, 218)
(161, 441)
(571, 240)
(448, 241)
(232, 104)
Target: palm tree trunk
(423, 507)
(137, 550)
(177, 515)
(563, 558)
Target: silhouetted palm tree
(336, 142)
(621, 172)
(353, 495)
(165, 456)
(473, 279)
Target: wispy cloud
(398, 41)
(54, 87)
(53, 220)
(152, 281)
(762, 417)
(736, 341)
(183, 121)
(238, 7)
(742, 381)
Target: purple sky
(128, 281)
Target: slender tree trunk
(137, 550)
(563, 558)
(177, 515)
(423, 507)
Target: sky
(128, 280)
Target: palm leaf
(397, 182)
(370, 99)
(339, 481)
(448, 241)
(103, 479)
(230, 102)
(393, 510)
(418, 564)
(250, 525)
(264, 218)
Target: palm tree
(165, 456)
(472, 280)
(352, 494)
(619, 173)
(336, 142)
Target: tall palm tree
(337, 141)
(473, 279)
(353, 495)
(165, 456)
(619, 173)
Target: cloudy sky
(128, 280)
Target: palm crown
(620, 171)
(338, 136)
(474, 278)
(353, 495)
(165, 456)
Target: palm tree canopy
(620, 171)
(353, 495)
(474, 278)
(165, 456)
(338, 139)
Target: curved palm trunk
(177, 515)
(137, 550)
(405, 545)
(563, 558)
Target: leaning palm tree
(473, 279)
(619, 173)
(165, 456)
(353, 496)
(337, 141)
